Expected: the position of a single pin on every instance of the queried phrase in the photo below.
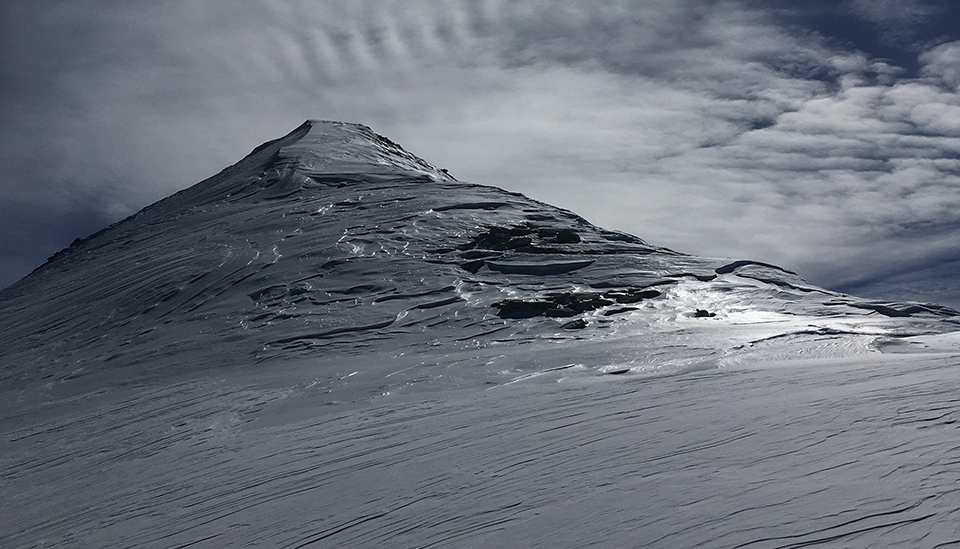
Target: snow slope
(334, 343)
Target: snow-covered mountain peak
(317, 155)
(329, 147)
(333, 238)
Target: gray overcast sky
(821, 136)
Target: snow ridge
(340, 148)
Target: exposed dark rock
(566, 304)
(539, 268)
(473, 266)
(700, 277)
(471, 206)
(518, 308)
(566, 236)
(522, 238)
(577, 324)
(477, 254)
(581, 302)
(632, 295)
(703, 313)
(501, 239)
(618, 311)
(731, 267)
(905, 310)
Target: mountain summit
(335, 342)
(332, 237)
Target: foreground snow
(333, 343)
(858, 452)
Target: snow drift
(334, 343)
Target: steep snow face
(336, 148)
(334, 342)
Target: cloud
(710, 127)
(942, 65)
(893, 12)
(901, 22)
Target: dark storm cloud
(797, 133)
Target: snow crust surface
(334, 343)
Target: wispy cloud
(897, 22)
(893, 13)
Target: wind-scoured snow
(334, 343)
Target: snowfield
(332, 343)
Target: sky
(822, 136)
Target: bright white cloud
(943, 64)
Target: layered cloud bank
(719, 128)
